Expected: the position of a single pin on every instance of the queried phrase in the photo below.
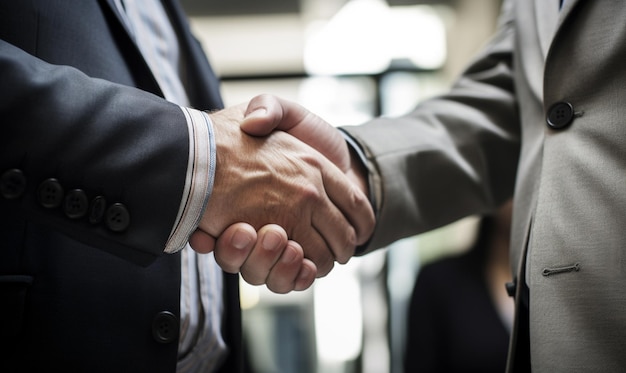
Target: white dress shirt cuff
(199, 181)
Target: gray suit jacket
(489, 138)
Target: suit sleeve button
(12, 184)
(165, 327)
(117, 218)
(50, 194)
(76, 204)
(97, 209)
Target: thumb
(202, 242)
(266, 113)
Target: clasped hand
(287, 201)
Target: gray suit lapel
(550, 19)
(566, 11)
(547, 17)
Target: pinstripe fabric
(157, 41)
(201, 346)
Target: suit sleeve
(453, 155)
(103, 163)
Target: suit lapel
(550, 19)
(121, 19)
(565, 12)
(121, 22)
(202, 84)
(547, 15)
(567, 9)
(544, 20)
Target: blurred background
(347, 61)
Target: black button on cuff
(76, 204)
(97, 209)
(165, 327)
(560, 115)
(117, 218)
(12, 184)
(50, 194)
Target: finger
(283, 275)
(317, 249)
(269, 246)
(234, 245)
(354, 221)
(339, 235)
(202, 242)
(306, 276)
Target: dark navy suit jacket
(92, 166)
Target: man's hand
(279, 179)
(263, 257)
(266, 113)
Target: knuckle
(310, 193)
(279, 288)
(226, 266)
(324, 267)
(346, 252)
(367, 221)
(252, 279)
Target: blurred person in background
(460, 315)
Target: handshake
(289, 197)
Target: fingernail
(271, 241)
(257, 113)
(305, 272)
(241, 239)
